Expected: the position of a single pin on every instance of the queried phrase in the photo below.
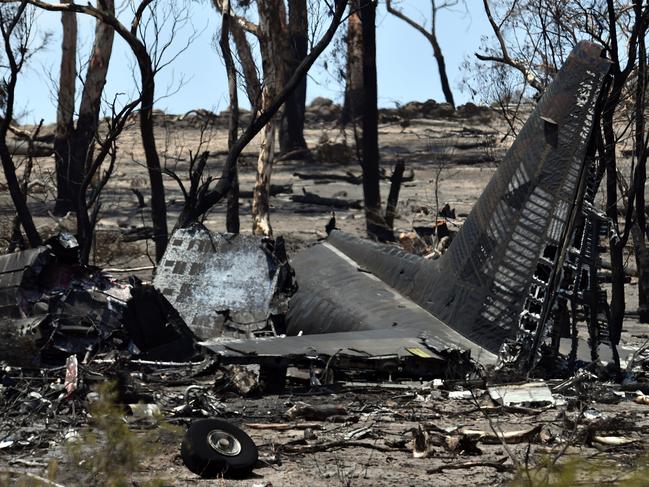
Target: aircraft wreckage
(526, 255)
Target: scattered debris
(500, 466)
(510, 437)
(318, 413)
(531, 394)
(421, 325)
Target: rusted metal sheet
(224, 284)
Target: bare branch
(505, 57)
(399, 14)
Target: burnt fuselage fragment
(226, 285)
(497, 281)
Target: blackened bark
(250, 78)
(616, 245)
(375, 223)
(81, 140)
(17, 196)
(158, 204)
(352, 107)
(640, 247)
(441, 68)
(431, 36)
(291, 134)
(393, 196)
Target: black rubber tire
(199, 457)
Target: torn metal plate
(529, 394)
(220, 284)
(390, 351)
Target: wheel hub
(224, 443)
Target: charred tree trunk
(441, 68)
(375, 223)
(393, 196)
(232, 213)
(616, 245)
(65, 112)
(352, 107)
(431, 37)
(640, 246)
(211, 196)
(250, 78)
(158, 204)
(17, 196)
(291, 134)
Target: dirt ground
(452, 160)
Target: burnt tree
(291, 134)
(374, 220)
(431, 37)
(352, 107)
(232, 213)
(146, 100)
(65, 111)
(74, 145)
(207, 195)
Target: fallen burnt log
(350, 177)
(275, 189)
(314, 199)
(22, 148)
(347, 177)
(138, 233)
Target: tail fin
(519, 222)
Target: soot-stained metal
(225, 285)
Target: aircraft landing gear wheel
(212, 447)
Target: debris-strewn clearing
(113, 371)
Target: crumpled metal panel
(220, 284)
(19, 275)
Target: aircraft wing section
(393, 350)
(352, 311)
